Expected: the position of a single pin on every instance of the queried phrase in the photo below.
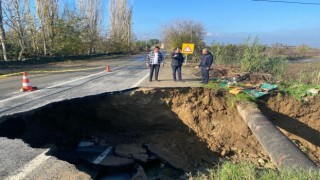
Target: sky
(233, 21)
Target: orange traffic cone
(108, 69)
(26, 85)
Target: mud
(178, 130)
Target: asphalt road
(17, 159)
(59, 86)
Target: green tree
(153, 42)
(68, 39)
(185, 31)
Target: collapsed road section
(143, 133)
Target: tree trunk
(20, 29)
(3, 35)
(31, 27)
(52, 34)
(21, 43)
(44, 42)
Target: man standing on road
(154, 60)
(205, 64)
(176, 64)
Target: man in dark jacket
(205, 64)
(176, 64)
(153, 61)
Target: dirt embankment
(210, 116)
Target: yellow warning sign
(187, 48)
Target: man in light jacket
(153, 61)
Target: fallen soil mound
(181, 129)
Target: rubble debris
(168, 158)
(131, 151)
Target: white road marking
(84, 77)
(102, 156)
(140, 81)
(22, 95)
(31, 166)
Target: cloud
(208, 34)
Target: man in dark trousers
(154, 60)
(176, 64)
(205, 64)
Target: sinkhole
(155, 133)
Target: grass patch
(233, 100)
(213, 86)
(247, 171)
(297, 90)
(308, 73)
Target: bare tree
(13, 12)
(31, 26)
(3, 35)
(92, 12)
(120, 31)
(47, 11)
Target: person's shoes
(150, 80)
(181, 80)
(157, 80)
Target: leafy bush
(251, 57)
(228, 54)
(255, 60)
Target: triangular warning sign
(187, 49)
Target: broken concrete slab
(132, 151)
(114, 161)
(169, 158)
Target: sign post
(187, 48)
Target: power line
(290, 2)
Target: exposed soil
(185, 129)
